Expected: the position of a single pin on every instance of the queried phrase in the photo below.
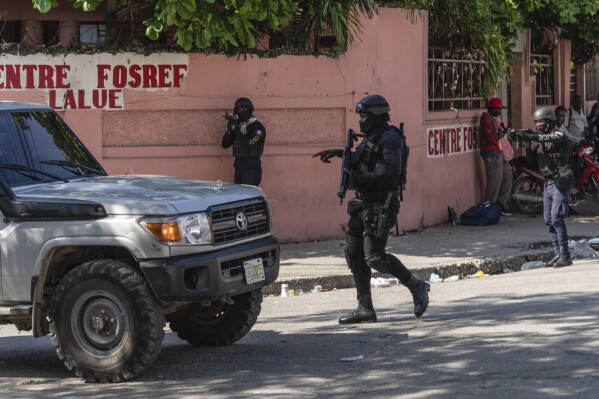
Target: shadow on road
(468, 349)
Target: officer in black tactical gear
(553, 155)
(247, 137)
(375, 175)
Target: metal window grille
(591, 74)
(92, 34)
(455, 79)
(573, 79)
(541, 66)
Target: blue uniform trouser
(555, 209)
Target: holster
(382, 223)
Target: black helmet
(374, 112)
(246, 114)
(375, 105)
(547, 116)
(243, 102)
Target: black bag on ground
(483, 214)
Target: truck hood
(142, 195)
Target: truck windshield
(42, 143)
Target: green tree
(491, 25)
(202, 24)
(577, 20)
(473, 25)
(340, 19)
(226, 24)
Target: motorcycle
(527, 189)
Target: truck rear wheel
(105, 323)
(219, 324)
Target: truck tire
(220, 323)
(105, 323)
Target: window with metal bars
(91, 34)
(455, 79)
(541, 66)
(591, 74)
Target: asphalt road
(532, 334)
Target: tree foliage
(473, 25)
(341, 19)
(577, 20)
(491, 26)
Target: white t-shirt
(571, 138)
(576, 122)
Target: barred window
(591, 73)
(541, 66)
(92, 34)
(455, 79)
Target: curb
(494, 265)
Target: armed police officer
(247, 135)
(375, 173)
(553, 155)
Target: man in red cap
(498, 172)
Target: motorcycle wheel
(528, 186)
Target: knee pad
(378, 263)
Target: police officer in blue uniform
(553, 157)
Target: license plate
(254, 270)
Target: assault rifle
(346, 164)
(231, 122)
(515, 135)
(229, 117)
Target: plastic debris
(537, 264)
(284, 290)
(479, 274)
(352, 359)
(379, 282)
(593, 241)
(316, 289)
(435, 278)
(584, 251)
(455, 277)
(507, 270)
(299, 291)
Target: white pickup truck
(102, 262)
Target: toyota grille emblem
(241, 220)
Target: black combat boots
(419, 290)
(552, 261)
(564, 260)
(364, 314)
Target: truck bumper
(212, 275)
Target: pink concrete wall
(307, 105)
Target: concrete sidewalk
(445, 249)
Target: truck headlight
(193, 229)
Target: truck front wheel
(219, 324)
(105, 323)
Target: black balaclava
(372, 122)
(244, 115)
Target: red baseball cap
(495, 102)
